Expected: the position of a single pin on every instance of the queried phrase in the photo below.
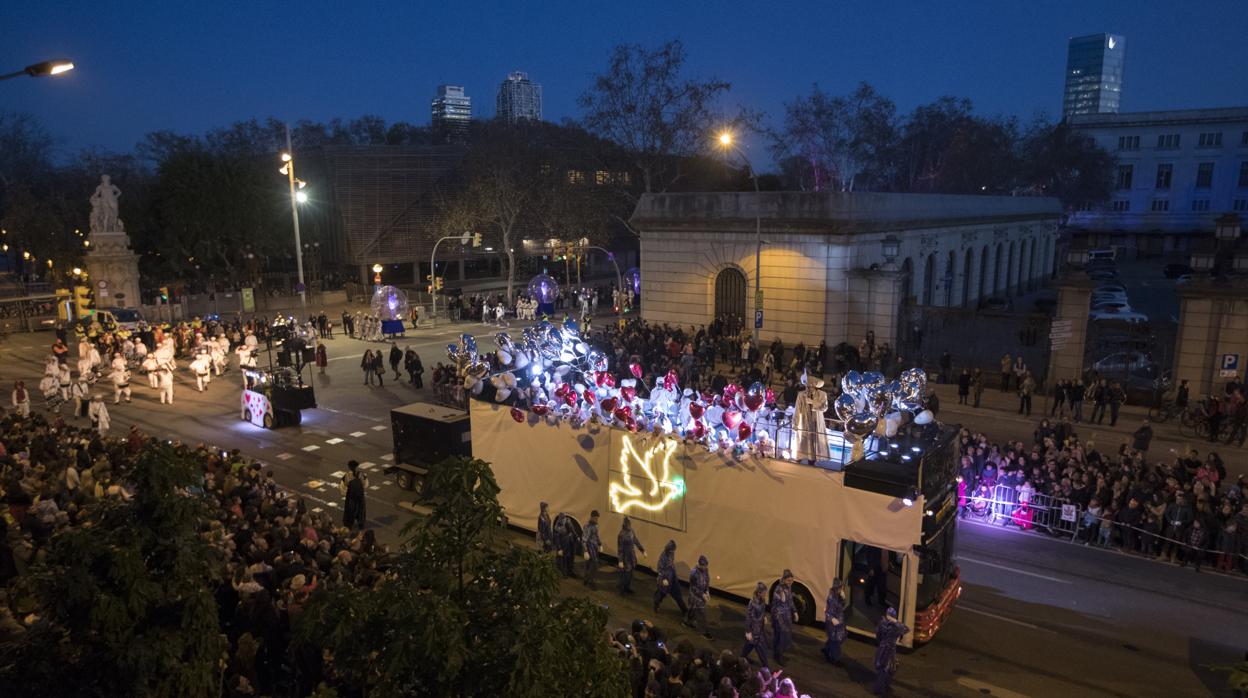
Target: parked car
(1174, 271)
(1112, 307)
(1102, 275)
(1098, 298)
(1185, 279)
(1110, 288)
(1102, 254)
(1116, 316)
(1124, 362)
(995, 303)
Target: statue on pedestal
(104, 207)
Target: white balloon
(504, 358)
(521, 359)
(924, 417)
(502, 394)
(892, 422)
(477, 387)
(510, 379)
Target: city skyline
(172, 75)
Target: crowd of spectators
(659, 671)
(272, 552)
(1180, 508)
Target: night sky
(189, 66)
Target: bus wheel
(297, 419)
(804, 602)
(246, 414)
(405, 480)
(268, 420)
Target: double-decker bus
(883, 522)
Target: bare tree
(843, 140)
(660, 117)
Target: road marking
(989, 689)
(388, 456)
(357, 434)
(387, 482)
(379, 427)
(374, 487)
(311, 448)
(367, 464)
(285, 456)
(334, 441)
(965, 607)
(1014, 569)
(337, 474)
(332, 504)
(317, 510)
(320, 489)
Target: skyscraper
(519, 98)
(1094, 67)
(452, 110)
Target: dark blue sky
(191, 65)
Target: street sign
(249, 300)
(758, 319)
(1069, 512)
(300, 288)
(758, 299)
(1228, 366)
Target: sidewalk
(998, 417)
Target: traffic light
(437, 282)
(164, 295)
(84, 301)
(476, 239)
(64, 306)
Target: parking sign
(1228, 366)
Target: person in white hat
(98, 412)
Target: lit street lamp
(38, 70)
(727, 144)
(296, 197)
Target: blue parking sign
(1229, 365)
(758, 319)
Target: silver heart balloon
(858, 426)
(846, 406)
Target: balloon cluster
(866, 398)
(468, 364)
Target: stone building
(835, 265)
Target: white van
(1104, 254)
(123, 318)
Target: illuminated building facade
(1094, 70)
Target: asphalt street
(1038, 616)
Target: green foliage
(1236, 675)
(462, 612)
(125, 603)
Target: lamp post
(296, 197)
(464, 239)
(43, 69)
(726, 142)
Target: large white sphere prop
(544, 288)
(389, 303)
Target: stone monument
(112, 267)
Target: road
(1038, 617)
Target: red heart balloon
(732, 419)
(629, 393)
(731, 390)
(671, 381)
(622, 414)
(744, 431)
(635, 369)
(589, 397)
(517, 414)
(771, 397)
(709, 398)
(699, 430)
(753, 402)
(610, 380)
(696, 410)
(608, 405)
(540, 410)
(600, 378)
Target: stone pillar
(1069, 331)
(113, 270)
(1213, 322)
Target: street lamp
(296, 197)
(726, 143)
(38, 70)
(890, 247)
(377, 274)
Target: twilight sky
(189, 65)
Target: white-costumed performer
(810, 433)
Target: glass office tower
(1094, 68)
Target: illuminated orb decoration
(632, 280)
(544, 288)
(389, 303)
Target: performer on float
(810, 434)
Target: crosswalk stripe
(334, 441)
(311, 447)
(337, 474)
(388, 456)
(357, 434)
(379, 427)
(285, 456)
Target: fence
(1004, 506)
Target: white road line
(317, 510)
(367, 464)
(285, 456)
(963, 558)
(337, 474)
(387, 482)
(379, 427)
(311, 447)
(334, 441)
(374, 487)
(388, 456)
(965, 607)
(989, 689)
(332, 504)
(357, 434)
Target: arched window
(950, 275)
(968, 270)
(929, 280)
(984, 270)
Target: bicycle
(1167, 410)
